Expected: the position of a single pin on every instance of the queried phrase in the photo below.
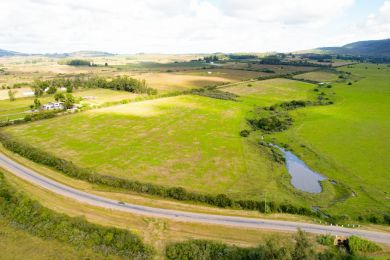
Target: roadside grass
(154, 231)
(350, 141)
(321, 76)
(18, 244)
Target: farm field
(349, 141)
(321, 76)
(170, 82)
(141, 141)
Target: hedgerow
(28, 215)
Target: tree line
(124, 83)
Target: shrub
(245, 133)
(204, 249)
(215, 93)
(326, 240)
(357, 245)
(276, 122)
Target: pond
(302, 177)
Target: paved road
(83, 197)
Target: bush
(26, 214)
(359, 245)
(245, 133)
(215, 93)
(276, 122)
(204, 249)
(326, 240)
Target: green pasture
(349, 141)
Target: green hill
(376, 48)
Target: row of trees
(123, 83)
(26, 214)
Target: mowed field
(350, 140)
(321, 76)
(187, 141)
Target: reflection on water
(302, 177)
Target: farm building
(53, 106)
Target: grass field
(141, 141)
(350, 141)
(321, 76)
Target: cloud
(378, 25)
(129, 26)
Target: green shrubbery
(358, 245)
(177, 193)
(215, 93)
(301, 249)
(29, 215)
(326, 240)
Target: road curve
(257, 223)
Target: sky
(188, 26)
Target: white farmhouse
(53, 106)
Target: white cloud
(128, 26)
(378, 25)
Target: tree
(69, 101)
(37, 103)
(39, 87)
(303, 247)
(11, 95)
(59, 97)
(52, 89)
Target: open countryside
(204, 151)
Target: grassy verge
(29, 215)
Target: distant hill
(377, 48)
(85, 54)
(5, 53)
(90, 54)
